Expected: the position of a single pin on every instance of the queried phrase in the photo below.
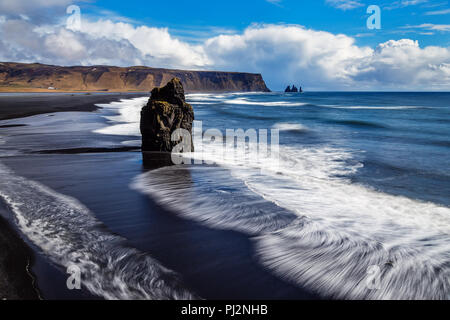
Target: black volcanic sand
(17, 106)
(16, 257)
(215, 264)
(16, 283)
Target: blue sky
(321, 45)
(193, 20)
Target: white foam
(136, 143)
(287, 126)
(340, 228)
(126, 121)
(373, 107)
(67, 232)
(244, 101)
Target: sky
(320, 45)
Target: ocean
(356, 205)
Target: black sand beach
(16, 281)
(65, 154)
(16, 105)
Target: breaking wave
(287, 126)
(68, 233)
(312, 226)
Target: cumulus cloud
(23, 42)
(38, 11)
(404, 64)
(293, 54)
(282, 53)
(288, 54)
(155, 44)
(23, 6)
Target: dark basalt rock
(288, 89)
(294, 89)
(165, 112)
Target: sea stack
(165, 112)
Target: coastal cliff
(17, 77)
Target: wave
(244, 101)
(293, 127)
(126, 119)
(67, 232)
(374, 107)
(311, 226)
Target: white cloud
(404, 3)
(27, 6)
(345, 4)
(287, 54)
(438, 12)
(282, 53)
(412, 2)
(404, 64)
(292, 54)
(156, 44)
(275, 2)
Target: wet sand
(64, 154)
(17, 105)
(196, 252)
(16, 280)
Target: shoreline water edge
(16, 256)
(276, 229)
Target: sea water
(357, 205)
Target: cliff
(17, 77)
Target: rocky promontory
(20, 77)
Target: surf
(68, 234)
(311, 226)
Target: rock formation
(165, 112)
(293, 89)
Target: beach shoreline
(16, 258)
(20, 106)
(17, 282)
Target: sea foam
(312, 226)
(67, 232)
(309, 223)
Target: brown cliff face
(38, 77)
